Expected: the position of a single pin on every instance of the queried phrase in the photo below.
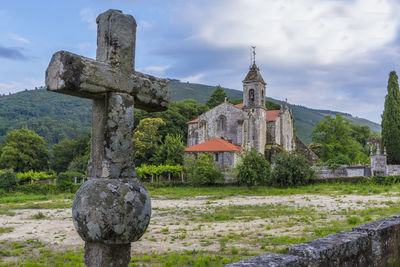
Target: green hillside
(56, 116)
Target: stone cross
(112, 208)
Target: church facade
(228, 129)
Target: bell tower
(253, 86)
(254, 105)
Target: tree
(201, 171)
(70, 154)
(217, 97)
(335, 138)
(8, 180)
(391, 120)
(146, 139)
(24, 150)
(175, 117)
(291, 170)
(253, 169)
(170, 152)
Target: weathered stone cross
(112, 209)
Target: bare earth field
(240, 225)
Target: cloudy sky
(328, 54)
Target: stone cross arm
(75, 75)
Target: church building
(228, 129)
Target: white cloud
(16, 86)
(154, 70)
(298, 32)
(19, 38)
(88, 15)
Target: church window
(216, 157)
(222, 124)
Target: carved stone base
(101, 255)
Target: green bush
(291, 170)
(145, 172)
(337, 161)
(48, 189)
(201, 171)
(25, 177)
(8, 180)
(385, 180)
(253, 169)
(69, 176)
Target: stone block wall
(342, 171)
(372, 244)
(393, 170)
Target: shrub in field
(291, 170)
(8, 180)
(201, 171)
(253, 169)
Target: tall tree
(146, 139)
(217, 97)
(170, 151)
(24, 150)
(337, 139)
(391, 120)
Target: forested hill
(56, 116)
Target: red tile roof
(239, 105)
(193, 121)
(214, 145)
(272, 114)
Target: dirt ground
(174, 226)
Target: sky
(323, 54)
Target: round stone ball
(111, 211)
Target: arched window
(196, 138)
(251, 96)
(221, 124)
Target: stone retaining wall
(372, 244)
(342, 171)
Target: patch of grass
(39, 216)
(4, 230)
(226, 191)
(27, 254)
(353, 220)
(7, 212)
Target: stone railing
(372, 244)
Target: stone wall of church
(193, 134)
(225, 160)
(278, 130)
(227, 114)
(287, 131)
